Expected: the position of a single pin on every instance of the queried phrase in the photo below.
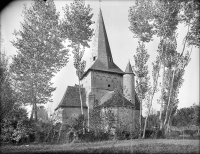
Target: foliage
(153, 121)
(76, 23)
(186, 117)
(141, 71)
(40, 53)
(140, 18)
(190, 17)
(7, 96)
(76, 27)
(15, 126)
(76, 122)
(101, 121)
(166, 17)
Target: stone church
(99, 82)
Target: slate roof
(115, 99)
(101, 48)
(71, 98)
(129, 69)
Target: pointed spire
(101, 53)
(103, 44)
(128, 68)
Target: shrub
(13, 131)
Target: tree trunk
(80, 97)
(32, 111)
(153, 92)
(81, 104)
(36, 117)
(140, 119)
(171, 88)
(145, 124)
(161, 105)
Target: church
(99, 84)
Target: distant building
(99, 83)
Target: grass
(125, 146)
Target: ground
(125, 146)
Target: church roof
(71, 98)
(128, 69)
(116, 100)
(101, 52)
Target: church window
(94, 58)
(108, 85)
(110, 59)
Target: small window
(108, 85)
(94, 58)
(110, 59)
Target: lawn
(126, 146)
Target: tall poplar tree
(141, 25)
(142, 78)
(76, 28)
(40, 54)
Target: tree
(40, 54)
(186, 116)
(76, 27)
(140, 18)
(142, 78)
(6, 91)
(166, 16)
(190, 17)
(166, 21)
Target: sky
(123, 47)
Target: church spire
(101, 53)
(101, 44)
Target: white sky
(122, 44)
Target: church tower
(129, 84)
(103, 75)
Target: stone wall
(103, 82)
(129, 87)
(125, 118)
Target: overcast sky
(122, 44)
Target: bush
(13, 131)
(149, 133)
(94, 136)
(190, 132)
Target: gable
(71, 98)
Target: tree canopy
(40, 53)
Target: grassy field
(126, 146)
